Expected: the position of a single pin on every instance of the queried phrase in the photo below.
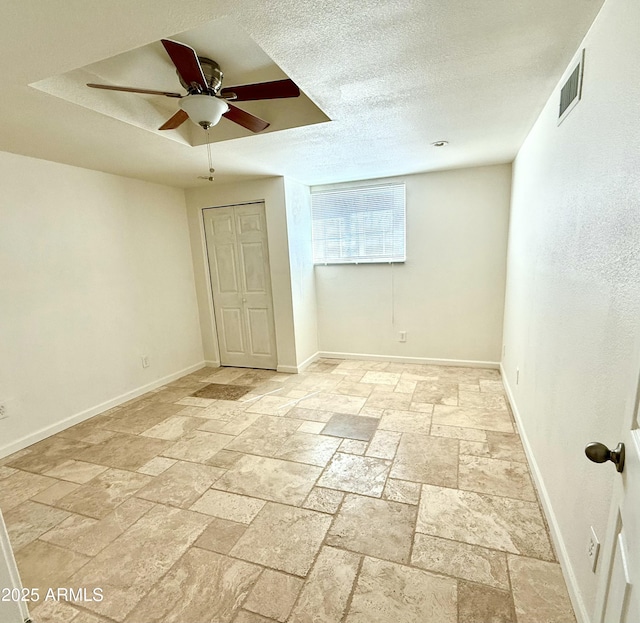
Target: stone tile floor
(356, 492)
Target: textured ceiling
(392, 76)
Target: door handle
(599, 453)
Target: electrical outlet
(517, 376)
(593, 549)
(145, 361)
(402, 336)
(3, 411)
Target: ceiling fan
(206, 101)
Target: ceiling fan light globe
(204, 110)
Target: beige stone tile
(402, 491)
(337, 403)
(350, 388)
(436, 393)
(19, 487)
(197, 446)
(505, 446)
(324, 500)
(380, 378)
(238, 508)
(371, 412)
(460, 560)
(356, 474)
(270, 479)
(265, 436)
(388, 592)
(272, 405)
(506, 478)
(473, 417)
(123, 451)
(91, 433)
(225, 375)
(539, 591)
(475, 448)
(221, 535)
(405, 387)
(195, 401)
(214, 426)
(482, 400)
(499, 523)
(181, 485)
(5, 472)
(283, 538)
(225, 410)
(202, 586)
(481, 603)
(405, 421)
(29, 520)
(90, 536)
(173, 427)
(274, 595)
(353, 446)
(244, 616)
(56, 491)
(384, 444)
(128, 567)
(240, 423)
(43, 566)
(357, 427)
(225, 459)
(468, 387)
(313, 415)
(457, 432)
(377, 528)
(422, 458)
(156, 466)
(491, 386)
(326, 592)
(76, 471)
(421, 407)
(49, 453)
(108, 490)
(136, 421)
(318, 381)
(54, 612)
(388, 400)
(311, 427)
(308, 448)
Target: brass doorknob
(599, 453)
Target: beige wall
(95, 271)
(572, 319)
(449, 294)
(271, 191)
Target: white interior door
(241, 285)
(620, 593)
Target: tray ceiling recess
(240, 58)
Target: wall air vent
(571, 91)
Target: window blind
(359, 225)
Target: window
(359, 225)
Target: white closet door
(241, 285)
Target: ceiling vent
(571, 91)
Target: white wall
(448, 296)
(298, 202)
(271, 191)
(572, 320)
(95, 271)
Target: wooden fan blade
(263, 91)
(186, 61)
(177, 120)
(110, 87)
(245, 119)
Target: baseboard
(52, 429)
(556, 535)
(463, 363)
(212, 364)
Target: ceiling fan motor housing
(212, 73)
